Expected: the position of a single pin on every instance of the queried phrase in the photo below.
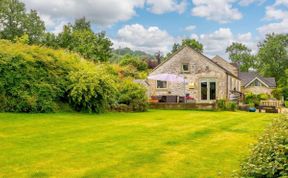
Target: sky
(155, 25)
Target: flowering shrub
(269, 157)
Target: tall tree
(81, 24)
(51, 40)
(241, 54)
(12, 17)
(273, 57)
(34, 27)
(79, 37)
(15, 22)
(65, 37)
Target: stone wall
(201, 68)
(257, 90)
(182, 106)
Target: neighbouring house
(252, 82)
(207, 80)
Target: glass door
(208, 90)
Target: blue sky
(154, 25)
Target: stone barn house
(252, 82)
(207, 80)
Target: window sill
(162, 89)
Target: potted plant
(251, 107)
(190, 99)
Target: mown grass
(152, 144)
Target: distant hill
(118, 53)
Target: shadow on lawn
(39, 175)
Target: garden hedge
(40, 79)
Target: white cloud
(215, 43)
(248, 2)
(281, 2)
(278, 14)
(101, 12)
(150, 39)
(54, 25)
(98, 11)
(153, 39)
(272, 13)
(190, 28)
(277, 27)
(164, 6)
(217, 10)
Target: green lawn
(151, 144)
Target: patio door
(208, 90)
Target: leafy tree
(103, 47)
(65, 37)
(51, 40)
(81, 24)
(175, 47)
(34, 27)
(12, 17)
(273, 57)
(15, 22)
(241, 54)
(193, 44)
(79, 37)
(139, 64)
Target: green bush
(224, 105)
(269, 157)
(231, 106)
(32, 78)
(285, 92)
(91, 91)
(121, 108)
(39, 79)
(221, 104)
(252, 98)
(263, 96)
(277, 93)
(134, 61)
(286, 104)
(133, 95)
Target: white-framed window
(256, 83)
(161, 84)
(185, 67)
(208, 89)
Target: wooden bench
(268, 109)
(270, 106)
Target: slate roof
(218, 60)
(247, 77)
